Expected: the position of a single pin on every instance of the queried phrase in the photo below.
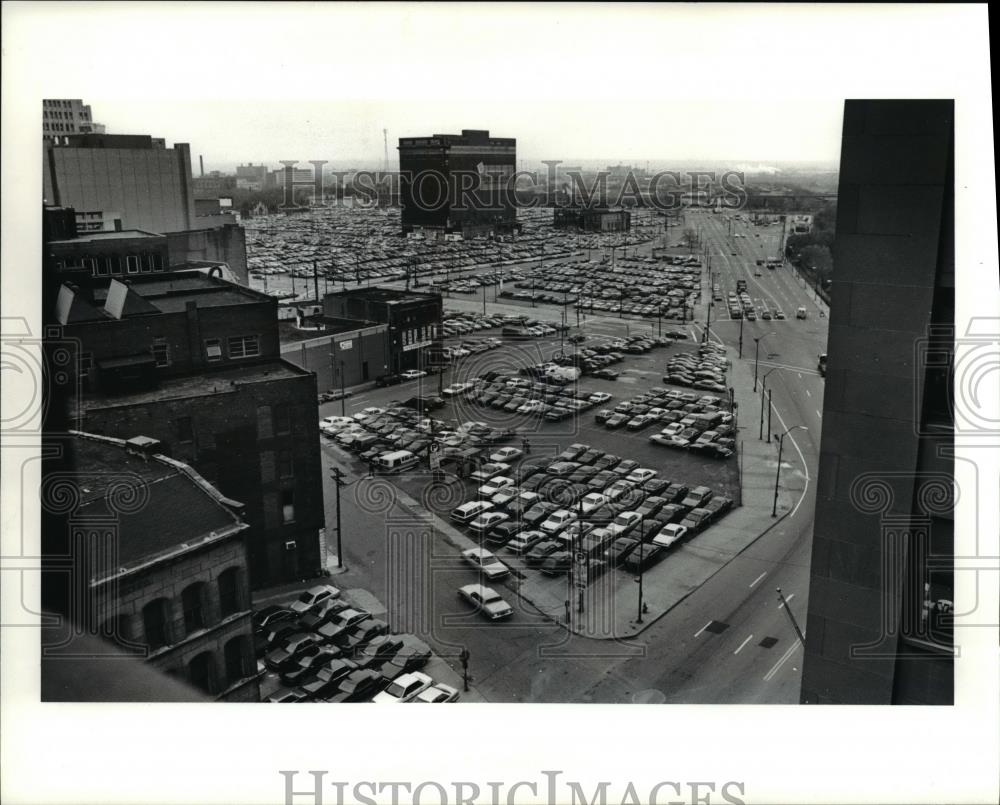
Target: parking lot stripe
(703, 628)
(779, 663)
(819, 415)
(743, 644)
(754, 582)
(808, 393)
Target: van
(396, 461)
(801, 313)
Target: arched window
(156, 623)
(238, 660)
(230, 592)
(193, 599)
(203, 672)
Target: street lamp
(777, 474)
(756, 355)
(763, 388)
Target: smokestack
(201, 162)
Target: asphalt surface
(730, 641)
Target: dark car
(265, 619)
(602, 416)
(503, 533)
(607, 462)
(542, 550)
(378, 651)
(362, 633)
(409, 658)
(358, 686)
(388, 380)
(291, 650)
(588, 457)
(539, 512)
(325, 679)
(718, 506)
(654, 486)
(607, 374)
(557, 562)
(643, 557)
(625, 467)
(651, 507)
(307, 665)
(674, 493)
(321, 613)
(672, 513)
(616, 421)
(335, 629)
(620, 549)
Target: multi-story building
(412, 320)
(458, 183)
(148, 184)
(165, 558)
(62, 117)
(193, 361)
(251, 177)
(881, 578)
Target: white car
(332, 425)
(366, 412)
(413, 374)
(455, 389)
(640, 475)
(557, 521)
(673, 429)
(670, 534)
(314, 595)
(468, 512)
(624, 523)
(592, 501)
(494, 485)
(505, 454)
(505, 496)
(486, 521)
(486, 600)
(404, 688)
(485, 562)
(530, 407)
(599, 397)
(437, 694)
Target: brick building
(165, 557)
(193, 361)
(412, 319)
(458, 183)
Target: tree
(817, 259)
(690, 238)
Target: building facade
(64, 116)
(343, 359)
(148, 184)
(881, 576)
(165, 556)
(596, 219)
(412, 320)
(193, 361)
(458, 183)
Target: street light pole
(741, 335)
(343, 398)
(338, 480)
(763, 388)
(756, 356)
(777, 473)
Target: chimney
(201, 162)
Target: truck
(741, 286)
(821, 365)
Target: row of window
(237, 346)
(117, 264)
(60, 127)
(57, 104)
(64, 115)
(159, 626)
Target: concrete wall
(223, 244)
(890, 259)
(323, 355)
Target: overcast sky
(635, 83)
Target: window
(104, 267)
(230, 592)
(90, 264)
(285, 464)
(161, 351)
(86, 364)
(244, 346)
(213, 349)
(202, 672)
(287, 506)
(237, 654)
(194, 607)
(132, 264)
(282, 419)
(155, 623)
(185, 429)
(151, 262)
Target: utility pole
(464, 658)
(316, 280)
(343, 396)
(769, 407)
(791, 617)
(338, 480)
(741, 335)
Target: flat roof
(124, 234)
(223, 381)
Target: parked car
(404, 688)
(468, 512)
(313, 596)
(485, 562)
(671, 533)
(437, 694)
(325, 679)
(357, 686)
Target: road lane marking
(819, 415)
(808, 393)
(779, 663)
(702, 629)
(799, 374)
(743, 644)
(758, 578)
(787, 599)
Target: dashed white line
(754, 582)
(743, 644)
(782, 661)
(702, 629)
(819, 415)
(808, 393)
(787, 598)
(799, 374)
